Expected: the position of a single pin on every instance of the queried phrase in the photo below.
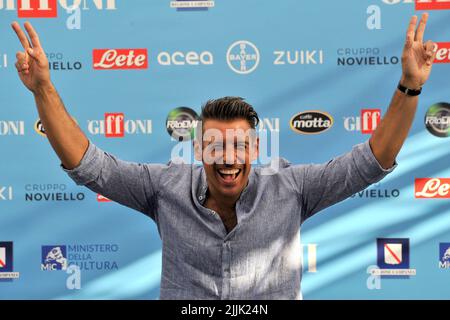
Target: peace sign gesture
(417, 57)
(32, 63)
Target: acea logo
(181, 123)
(243, 57)
(444, 255)
(393, 258)
(7, 273)
(437, 120)
(311, 122)
(54, 258)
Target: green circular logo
(181, 123)
(437, 119)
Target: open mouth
(229, 175)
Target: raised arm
(66, 138)
(417, 61)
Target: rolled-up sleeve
(131, 184)
(322, 185)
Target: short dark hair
(229, 108)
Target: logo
(243, 57)
(298, 57)
(432, 4)
(393, 257)
(120, 59)
(432, 188)
(376, 191)
(181, 123)
(442, 52)
(6, 262)
(444, 255)
(49, 8)
(51, 192)
(101, 198)
(54, 258)
(187, 5)
(190, 58)
(6, 193)
(116, 126)
(437, 120)
(311, 122)
(12, 128)
(364, 57)
(366, 123)
(87, 257)
(3, 61)
(57, 62)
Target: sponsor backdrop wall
(122, 66)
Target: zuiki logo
(243, 57)
(366, 123)
(311, 122)
(432, 188)
(393, 257)
(301, 57)
(181, 123)
(444, 255)
(189, 5)
(120, 59)
(116, 126)
(437, 120)
(54, 258)
(7, 273)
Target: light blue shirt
(261, 258)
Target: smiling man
(228, 230)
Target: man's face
(228, 148)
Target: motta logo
(120, 59)
(432, 188)
(49, 8)
(311, 122)
(432, 4)
(443, 52)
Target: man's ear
(254, 151)
(197, 150)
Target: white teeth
(228, 171)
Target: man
(229, 231)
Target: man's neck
(225, 207)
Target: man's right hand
(32, 63)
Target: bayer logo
(243, 57)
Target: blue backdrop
(332, 37)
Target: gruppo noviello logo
(393, 258)
(444, 255)
(6, 262)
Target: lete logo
(113, 59)
(427, 188)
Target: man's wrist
(410, 83)
(43, 89)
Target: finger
(22, 67)
(421, 28)
(33, 35)
(34, 53)
(21, 57)
(410, 32)
(431, 52)
(21, 35)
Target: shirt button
(200, 198)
